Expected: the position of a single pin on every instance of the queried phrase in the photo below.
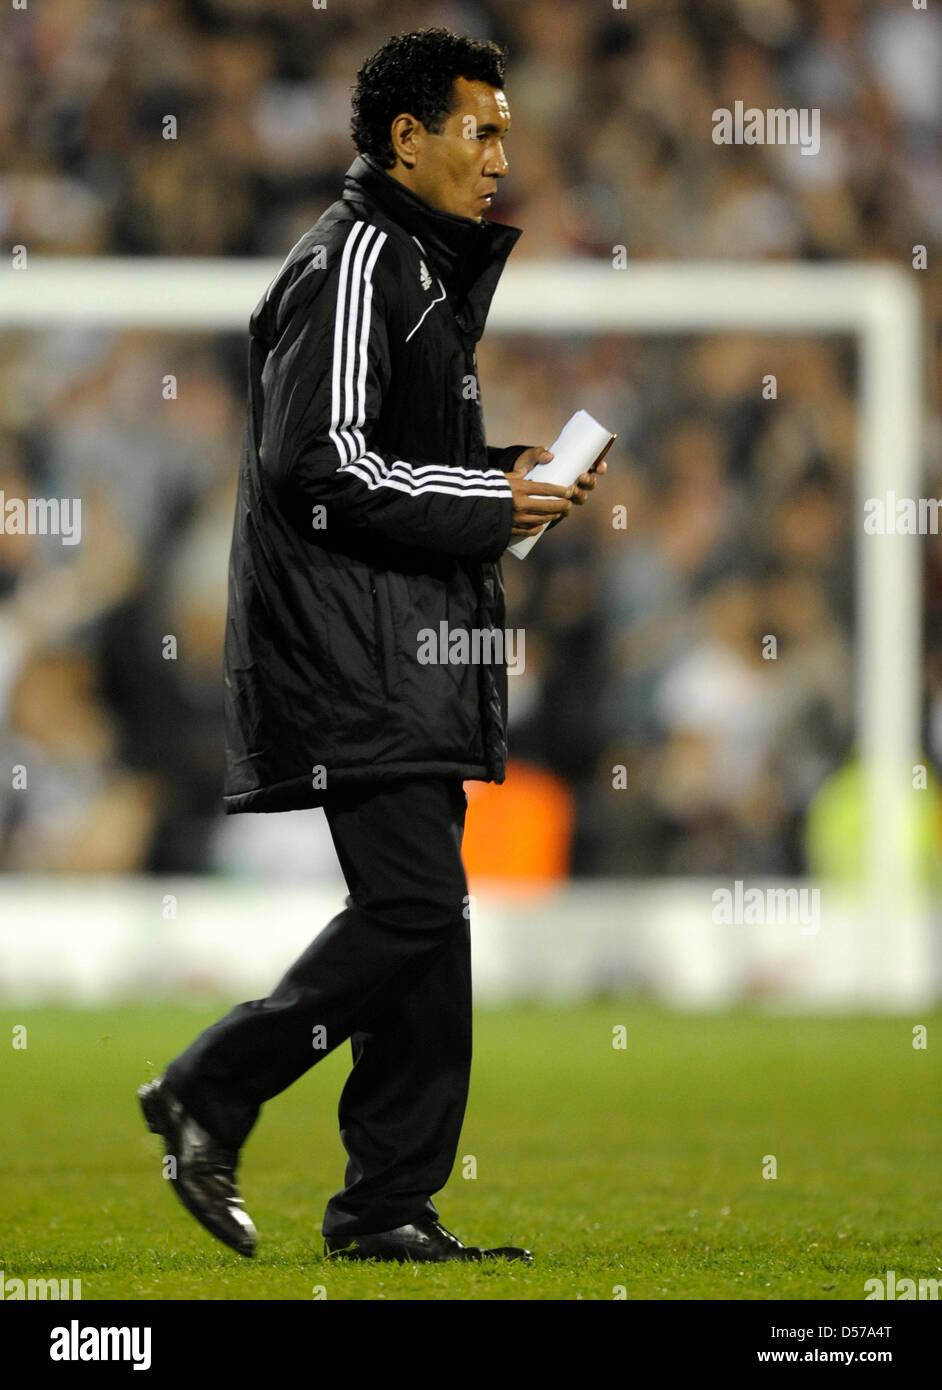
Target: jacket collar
(469, 256)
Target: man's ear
(405, 134)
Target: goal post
(877, 304)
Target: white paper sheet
(580, 442)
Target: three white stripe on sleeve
(348, 389)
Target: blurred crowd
(687, 743)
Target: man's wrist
(505, 458)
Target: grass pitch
(637, 1169)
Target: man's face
(458, 169)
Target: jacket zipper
(384, 639)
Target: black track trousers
(392, 973)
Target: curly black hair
(416, 73)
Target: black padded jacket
(369, 508)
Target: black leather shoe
(204, 1179)
(424, 1240)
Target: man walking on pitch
(369, 508)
